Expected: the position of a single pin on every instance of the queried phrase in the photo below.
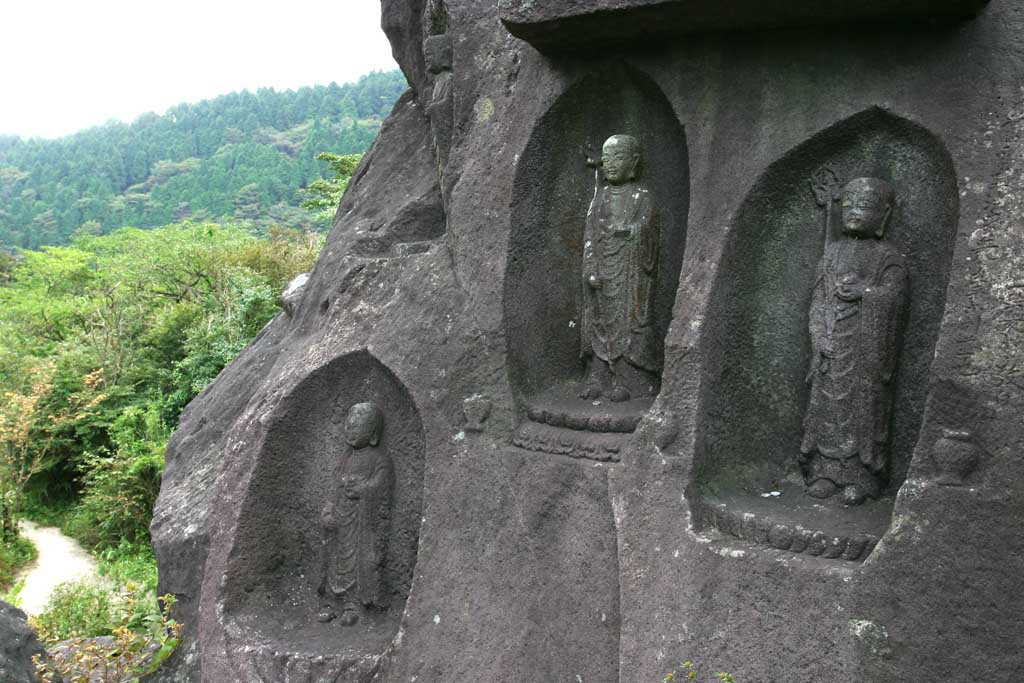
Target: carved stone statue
(437, 53)
(855, 320)
(620, 267)
(354, 519)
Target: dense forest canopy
(244, 157)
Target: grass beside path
(13, 557)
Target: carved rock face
(565, 542)
(955, 455)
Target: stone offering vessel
(534, 419)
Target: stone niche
(271, 597)
(544, 285)
(554, 25)
(747, 480)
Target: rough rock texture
(18, 644)
(573, 24)
(446, 294)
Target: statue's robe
(355, 545)
(441, 112)
(621, 243)
(855, 350)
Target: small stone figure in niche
(620, 268)
(855, 320)
(354, 520)
(437, 53)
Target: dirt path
(60, 559)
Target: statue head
(437, 53)
(867, 205)
(620, 158)
(363, 425)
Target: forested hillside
(243, 157)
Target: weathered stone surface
(543, 540)
(572, 24)
(18, 644)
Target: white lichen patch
(484, 109)
(874, 636)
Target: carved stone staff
(827, 189)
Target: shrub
(14, 556)
(142, 640)
(77, 609)
(120, 488)
(129, 563)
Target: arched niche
(552, 191)
(756, 392)
(277, 561)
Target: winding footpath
(60, 559)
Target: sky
(70, 64)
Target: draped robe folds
(621, 251)
(856, 346)
(354, 546)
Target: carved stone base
(599, 417)
(299, 647)
(580, 428)
(575, 444)
(796, 523)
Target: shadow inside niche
(274, 586)
(748, 480)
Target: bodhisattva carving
(354, 520)
(855, 321)
(620, 267)
(437, 53)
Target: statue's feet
(619, 394)
(349, 617)
(591, 390)
(854, 495)
(326, 614)
(822, 488)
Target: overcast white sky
(70, 64)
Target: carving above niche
(571, 24)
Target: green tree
(324, 195)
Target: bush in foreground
(141, 641)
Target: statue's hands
(353, 490)
(327, 518)
(851, 289)
(594, 282)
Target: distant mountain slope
(242, 155)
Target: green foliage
(14, 556)
(120, 486)
(144, 636)
(686, 671)
(324, 195)
(77, 609)
(129, 564)
(240, 156)
(130, 326)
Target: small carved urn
(955, 455)
(477, 408)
